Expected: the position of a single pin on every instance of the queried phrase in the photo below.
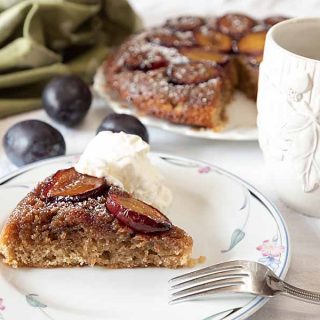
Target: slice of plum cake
(72, 219)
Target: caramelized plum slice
(215, 40)
(168, 38)
(193, 72)
(143, 59)
(271, 21)
(71, 185)
(235, 25)
(136, 214)
(185, 23)
(252, 43)
(202, 54)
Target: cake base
(67, 234)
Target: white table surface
(242, 158)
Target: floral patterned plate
(227, 218)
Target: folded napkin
(43, 38)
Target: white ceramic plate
(227, 218)
(241, 113)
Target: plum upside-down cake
(186, 70)
(73, 219)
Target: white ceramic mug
(289, 112)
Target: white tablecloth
(241, 158)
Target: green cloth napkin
(40, 39)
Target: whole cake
(186, 70)
(73, 218)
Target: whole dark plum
(32, 140)
(117, 122)
(67, 99)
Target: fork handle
(287, 289)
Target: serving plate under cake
(227, 218)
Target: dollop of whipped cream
(123, 159)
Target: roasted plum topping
(185, 23)
(202, 54)
(271, 21)
(235, 25)
(138, 59)
(136, 214)
(168, 38)
(70, 185)
(252, 43)
(193, 72)
(214, 40)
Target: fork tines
(221, 278)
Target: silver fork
(235, 277)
